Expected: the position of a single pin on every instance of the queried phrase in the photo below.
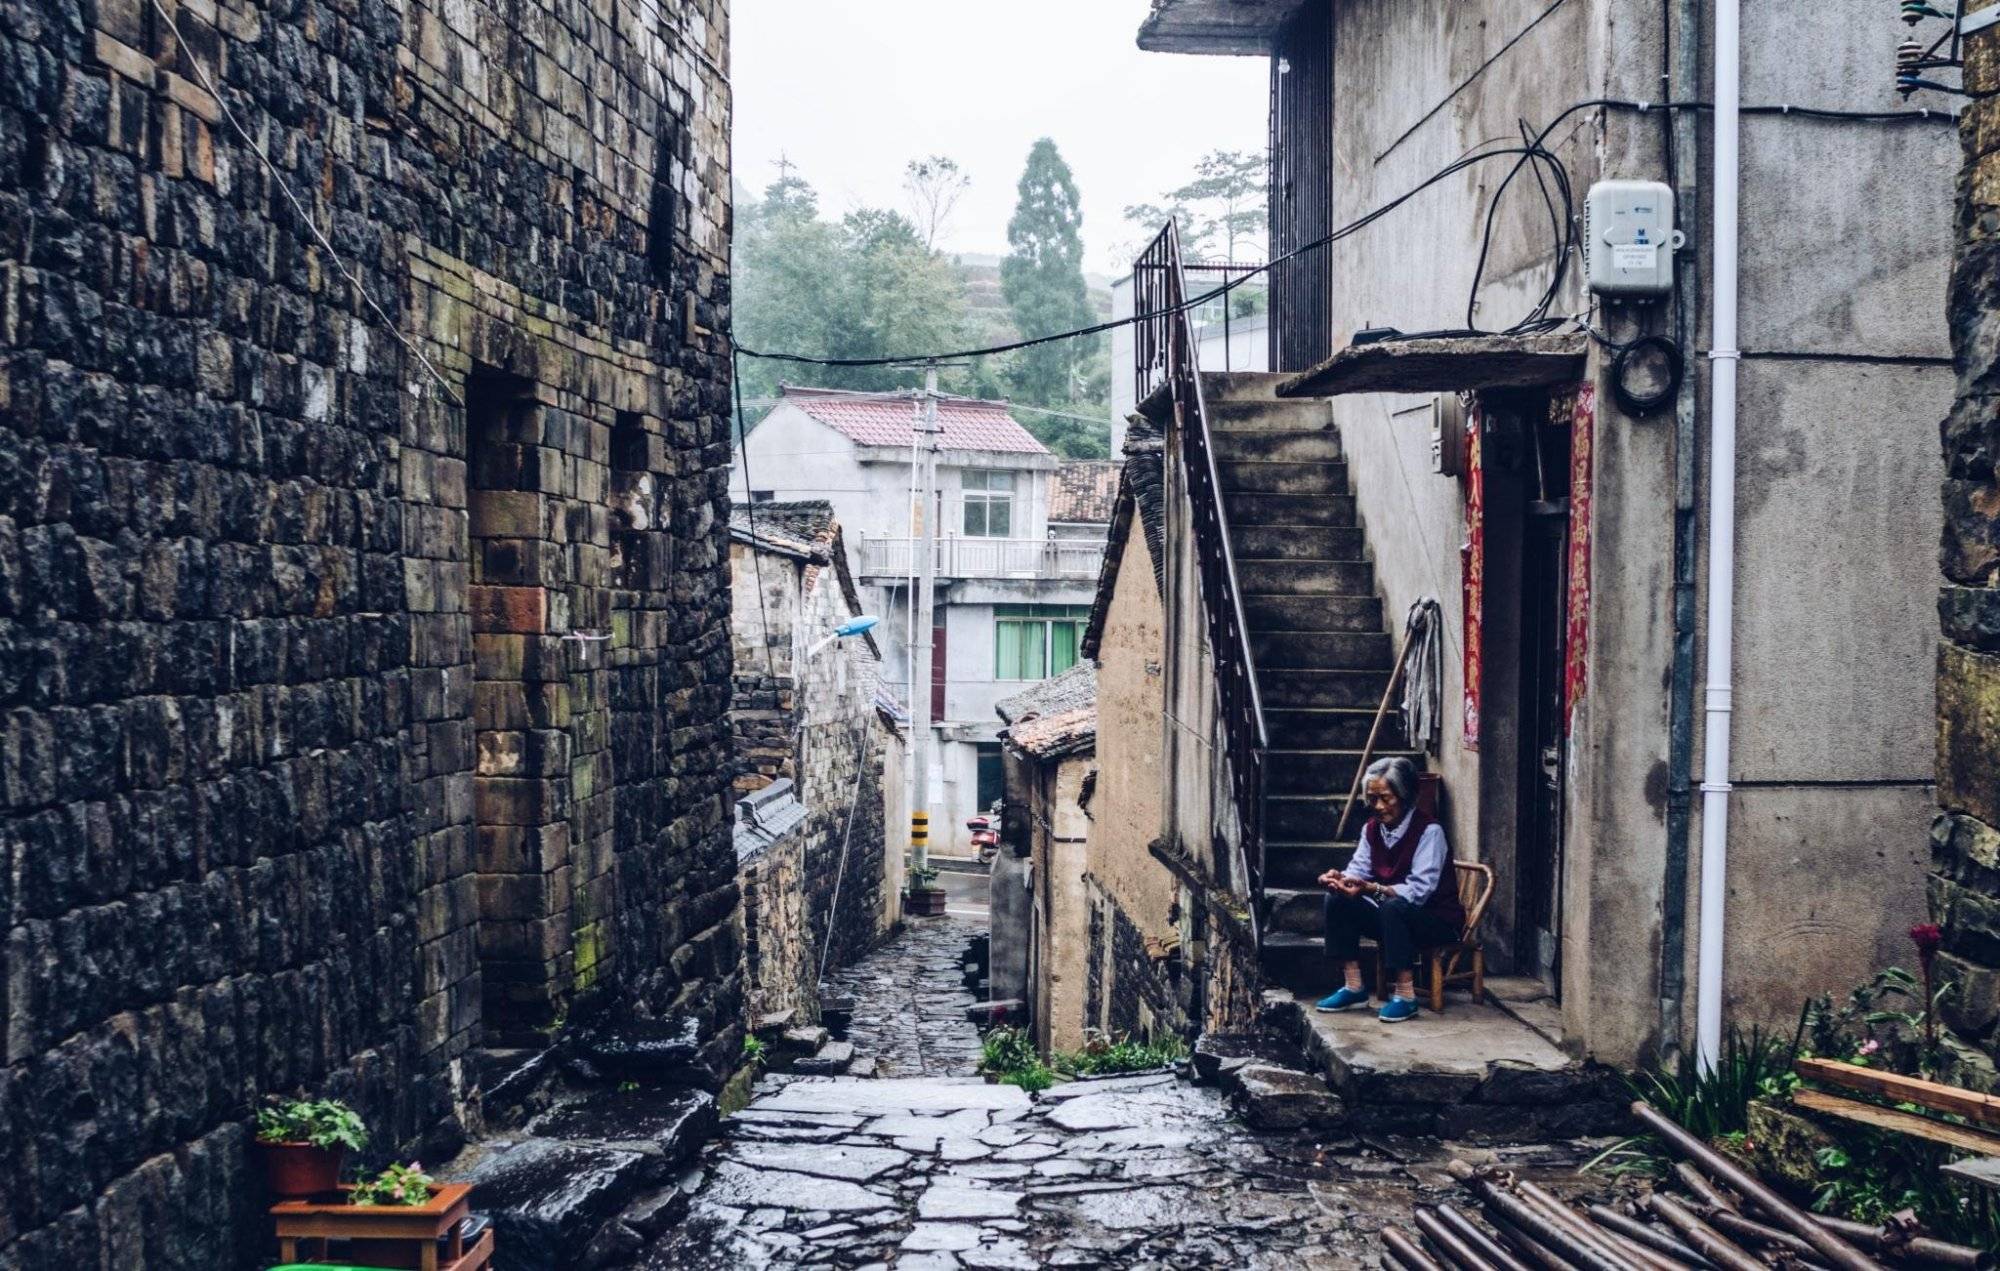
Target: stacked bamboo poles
(1729, 1221)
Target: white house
(1013, 587)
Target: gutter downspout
(1683, 83)
(1721, 539)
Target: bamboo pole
(1652, 1237)
(1609, 1242)
(1545, 1229)
(1836, 1251)
(1452, 1245)
(1487, 1247)
(1704, 1191)
(1918, 1249)
(1713, 1244)
(1405, 1251)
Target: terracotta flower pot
(298, 1170)
(925, 902)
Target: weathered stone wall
(363, 675)
(823, 894)
(1965, 839)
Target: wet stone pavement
(924, 1167)
(909, 1004)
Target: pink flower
(1870, 1046)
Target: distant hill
(981, 271)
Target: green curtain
(1063, 640)
(1011, 644)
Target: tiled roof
(802, 527)
(1054, 736)
(767, 817)
(1084, 492)
(888, 419)
(1074, 689)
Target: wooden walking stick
(1374, 731)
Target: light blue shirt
(1426, 867)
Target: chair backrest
(1475, 890)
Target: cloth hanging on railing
(1423, 676)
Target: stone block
(1273, 1098)
(1971, 616)
(517, 610)
(1974, 1009)
(1968, 698)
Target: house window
(992, 780)
(989, 503)
(1034, 642)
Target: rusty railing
(1165, 359)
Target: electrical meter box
(1629, 227)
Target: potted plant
(925, 898)
(386, 1220)
(304, 1142)
(400, 1188)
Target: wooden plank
(1983, 1108)
(1983, 1170)
(1964, 1138)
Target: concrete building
(1013, 580)
(1567, 550)
(364, 621)
(818, 759)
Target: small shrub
(320, 1122)
(753, 1047)
(1035, 1076)
(396, 1185)
(1101, 1056)
(1007, 1050)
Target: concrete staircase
(1323, 651)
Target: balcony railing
(1077, 558)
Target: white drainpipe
(1721, 541)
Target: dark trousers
(1398, 926)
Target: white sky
(851, 90)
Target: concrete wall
(1830, 743)
(1062, 902)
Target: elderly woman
(1396, 889)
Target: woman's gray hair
(1399, 773)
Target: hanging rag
(1423, 677)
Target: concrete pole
(925, 603)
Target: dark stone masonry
(364, 676)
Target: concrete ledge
(1446, 365)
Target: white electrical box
(1629, 229)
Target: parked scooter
(984, 837)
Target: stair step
(1298, 864)
(1341, 728)
(1305, 578)
(1268, 415)
(1289, 509)
(1330, 688)
(1258, 476)
(1297, 910)
(1320, 773)
(1320, 445)
(1312, 613)
(1298, 542)
(1252, 386)
(1307, 650)
(1304, 816)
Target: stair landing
(1472, 1072)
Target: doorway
(1543, 747)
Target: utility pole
(925, 601)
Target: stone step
(1231, 415)
(1299, 650)
(1290, 509)
(1305, 578)
(1254, 386)
(1309, 612)
(1321, 445)
(1290, 864)
(1299, 542)
(1322, 689)
(1339, 728)
(1294, 909)
(1303, 817)
(1471, 1072)
(1319, 772)
(1258, 476)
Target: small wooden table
(420, 1225)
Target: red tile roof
(1084, 492)
(887, 419)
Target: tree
(1221, 209)
(933, 186)
(1042, 276)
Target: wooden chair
(1461, 961)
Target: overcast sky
(851, 90)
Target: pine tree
(1042, 277)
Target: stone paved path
(909, 1005)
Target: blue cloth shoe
(1398, 1009)
(1341, 1000)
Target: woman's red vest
(1391, 865)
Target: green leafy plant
(922, 876)
(1034, 1077)
(326, 1123)
(396, 1185)
(753, 1047)
(1009, 1055)
(1101, 1055)
(1713, 1105)
(1888, 1023)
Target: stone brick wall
(816, 724)
(1965, 839)
(363, 676)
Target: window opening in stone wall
(634, 501)
(665, 210)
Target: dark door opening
(1543, 749)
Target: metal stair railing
(1165, 358)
